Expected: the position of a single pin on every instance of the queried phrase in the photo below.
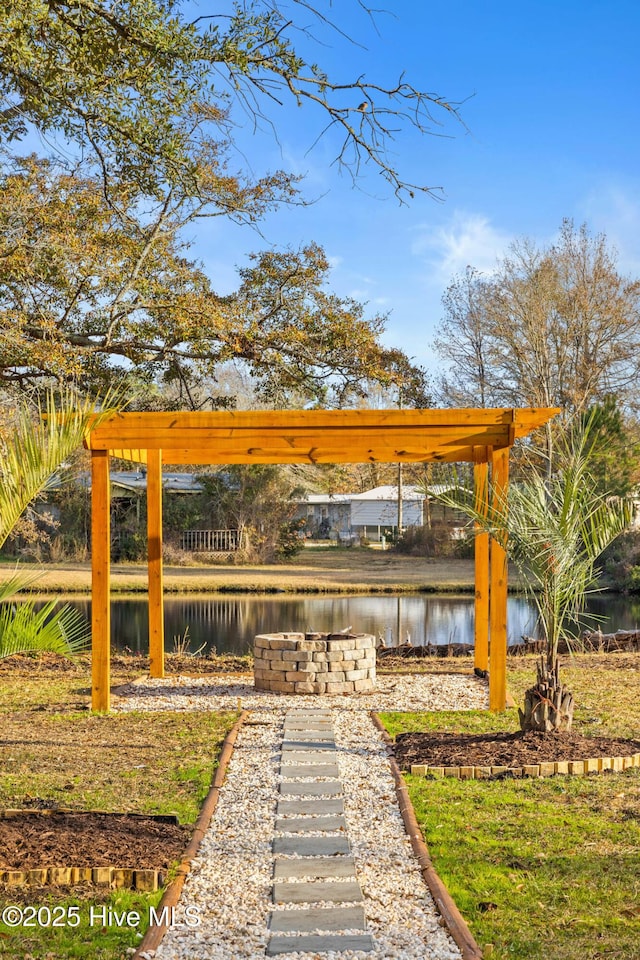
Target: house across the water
(373, 514)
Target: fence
(212, 541)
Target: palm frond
(42, 438)
(26, 629)
(553, 529)
(17, 582)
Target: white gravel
(229, 887)
(235, 690)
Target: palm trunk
(548, 705)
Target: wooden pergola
(479, 436)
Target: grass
(545, 868)
(55, 753)
(130, 762)
(97, 935)
(605, 689)
(314, 571)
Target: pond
(229, 624)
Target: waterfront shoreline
(335, 571)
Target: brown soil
(130, 665)
(504, 749)
(31, 841)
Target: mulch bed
(504, 749)
(32, 840)
(130, 663)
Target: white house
(376, 511)
(368, 514)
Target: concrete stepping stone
(315, 788)
(310, 756)
(310, 713)
(315, 746)
(310, 943)
(314, 867)
(307, 718)
(303, 734)
(308, 724)
(330, 919)
(309, 733)
(317, 726)
(312, 723)
(302, 846)
(310, 824)
(300, 807)
(313, 770)
(309, 750)
(348, 891)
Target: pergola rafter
(479, 436)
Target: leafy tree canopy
(149, 91)
(94, 271)
(86, 287)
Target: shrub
(433, 541)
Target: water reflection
(230, 623)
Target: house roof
(389, 492)
(136, 480)
(326, 498)
(174, 482)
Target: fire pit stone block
(299, 663)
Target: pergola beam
(314, 436)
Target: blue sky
(549, 94)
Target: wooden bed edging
(153, 936)
(550, 769)
(454, 921)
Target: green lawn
(540, 868)
(546, 868)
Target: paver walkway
(311, 847)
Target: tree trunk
(548, 705)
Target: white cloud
(614, 209)
(468, 239)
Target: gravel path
(229, 887)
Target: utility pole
(400, 518)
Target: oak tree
(93, 268)
(88, 290)
(151, 93)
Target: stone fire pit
(314, 663)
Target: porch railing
(212, 541)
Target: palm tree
(40, 440)
(553, 529)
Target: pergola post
(154, 532)
(100, 570)
(498, 590)
(481, 555)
